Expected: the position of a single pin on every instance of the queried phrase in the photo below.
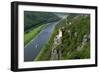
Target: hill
(75, 40)
(34, 19)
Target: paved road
(33, 48)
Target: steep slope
(75, 42)
(34, 19)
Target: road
(33, 48)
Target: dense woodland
(75, 42)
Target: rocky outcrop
(55, 52)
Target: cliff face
(55, 52)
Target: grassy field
(76, 29)
(28, 36)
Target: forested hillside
(34, 19)
(75, 42)
(76, 37)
